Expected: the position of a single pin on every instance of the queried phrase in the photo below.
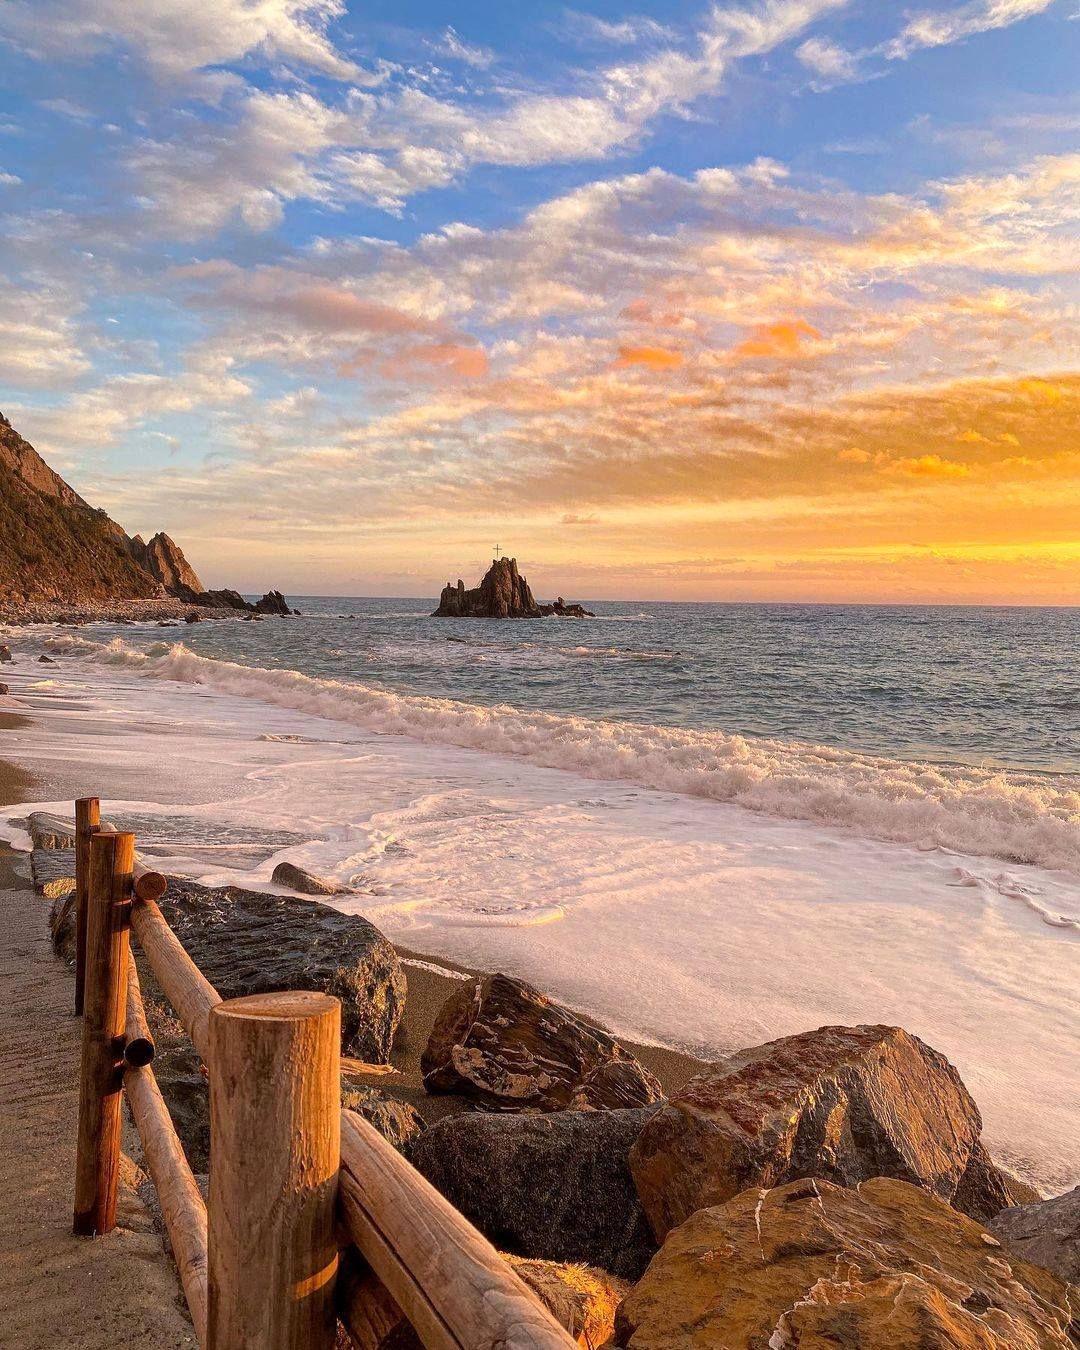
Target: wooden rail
(292, 1176)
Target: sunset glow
(771, 301)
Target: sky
(747, 301)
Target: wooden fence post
(87, 820)
(108, 908)
(275, 1152)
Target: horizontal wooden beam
(450, 1282)
(182, 1204)
(138, 1042)
(183, 983)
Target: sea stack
(503, 594)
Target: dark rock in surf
(273, 602)
(46, 660)
(299, 879)
(507, 1047)
(5, 653)
(556, 1186)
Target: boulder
(555, 1187)
(397, 1122)
(5, 688)
(299, 879)
(810, 1264)
(245, 942)
(5, 652)
(844, 1103)
(46, 660)
(53, 872)
(273, 602)
(502, 1043)
(1047, 1233)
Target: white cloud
(828, 60)
(626, 32)
(177, 38)
(453, 45)
(939, 28)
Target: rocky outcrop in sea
(503, 594)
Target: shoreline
(668, 920)
(431, 980)
(167, 610)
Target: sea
(706, 824)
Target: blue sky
(335, 290)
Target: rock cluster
(503, 594)
(822, 1190)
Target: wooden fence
(312, 1217)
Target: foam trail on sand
(1019, 818)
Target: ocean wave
(1014, 817)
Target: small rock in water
(5, 652)
(46, 660)
(508, 1047)
(299, 879)
(193, 618)
(812, 1264)
(4, 688)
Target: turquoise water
(986, 686)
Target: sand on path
(57, 1289)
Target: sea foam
(1019, 818)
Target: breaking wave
(1019, 818)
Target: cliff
(503, 594)
(56, 549)
(53, 545)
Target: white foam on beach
(1016, 817)
(671, 917)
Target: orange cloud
(425, 360)
(929, 466)
(653, 358)
(775, 340)
(853, 455)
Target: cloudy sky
(768, 300)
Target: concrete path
(57, 1290)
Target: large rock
(844, 1103)
(1047, 1233)
(555, 1187)
(505, 1045)
(245, 942)
(815, 1265)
